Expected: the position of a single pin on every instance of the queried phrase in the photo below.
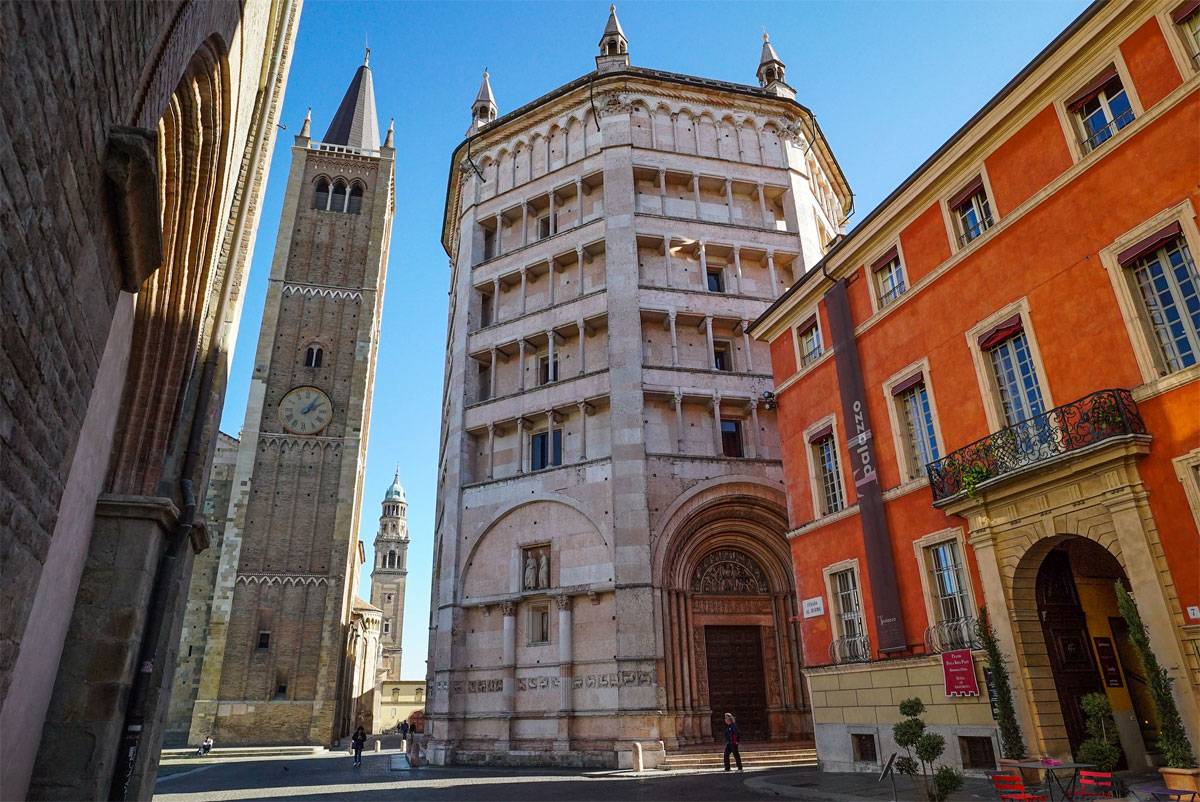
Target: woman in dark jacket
(357, 741)
(733, 734)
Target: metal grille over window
(852, 644)
(974, 216)
(810, 344)
(1102, 110)
(955, 626)
(890, 281)
(918, 419)
(1170, 289)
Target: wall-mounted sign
(813, 607)
(992, 694)
(958, 669)
(1109, 667)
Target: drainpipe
(135, 716)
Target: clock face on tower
(305, 410)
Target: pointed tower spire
(355, 124)
(387, 143)
(614, 47)
(771, 69)
(306, 129)
(483, 110)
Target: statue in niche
(531, 571)
(544, 571)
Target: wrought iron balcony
(851, 649)
(952, 634)
(1089, 420)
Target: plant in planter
(922, 749)
(1181, 771)
(1101, 747)
(1012, 745)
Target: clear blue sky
(889, 83)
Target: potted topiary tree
(921, 751)
(1101, 747)
(1012, 745)
(1180, 772)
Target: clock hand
(311, 405)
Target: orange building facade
(989, 394)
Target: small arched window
(321, 196)
(312, 356)
(337, 201)
(355, 199)
(418, 693)
(395, 694)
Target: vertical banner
(1109, 667)
(958, 671)
(881, 569)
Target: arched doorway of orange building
(1088, 646)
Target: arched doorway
(1087, 644)
(728, 597)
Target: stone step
(774, 757)
(243, 752)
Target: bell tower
(390, 573)
(275, 667)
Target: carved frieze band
(325, 292)
(612, 679)
(729, 571)
(281, 579)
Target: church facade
(286, 640)
(611, 572)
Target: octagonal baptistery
(611, 563)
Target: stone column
(679, 421)
(496, 300)
(579, 256)
(491, 474)
(520, 445)
(524, 282)
(703, 266)
(549, 440)
(583, 413)
(745, 324)
(553, 222)
(696, 187)
(551, 373)
(566, 671)
(716, 408)
(524, 224)
(509, 661)
(499, 233)
(578, 194)
(774, 278)
(662, 187)
(550, 278)
(708, 342)
(737, 267)
(674, 340)
(762, 205)
(667, 256)
(729, 197)
(492, 377)
(756, 440)
(521, 364)
(579, 324)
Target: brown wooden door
(1070, 647)
(735, 680)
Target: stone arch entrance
(727, 596)
(1086, 643)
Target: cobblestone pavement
(332, 777)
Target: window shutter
(967, 193)
(806, 326)
(894, 253)
(1092, 90)
(998, 334)
(1185, 11)
(909, 383)
(1150, 243)
(821, 434)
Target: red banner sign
(958, 669)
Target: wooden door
(1065, 628)
(735, 680)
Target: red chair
(1012, 788)
(1094, 785)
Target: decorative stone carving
(729, 571)
(508, 608)
(536, 572)
(563, 602)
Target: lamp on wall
(769, 401)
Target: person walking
(733, 734)
(359, 740)
(404, 730)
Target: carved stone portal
(729, 571)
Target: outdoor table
(1052, 778)
(1163, 792)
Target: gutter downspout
(135, 716)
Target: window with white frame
(1011, 361)
(912, 401)
(889, 279)
(1101, 110)
(827, 472)
(808, 337)
(1169, 291)
(971, 211)
(847, 604)
(947, 581)
(1187, 19)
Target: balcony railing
(972, 232)
(952, 634)
(851, 649)
(1106, 133)
(1087, 421)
